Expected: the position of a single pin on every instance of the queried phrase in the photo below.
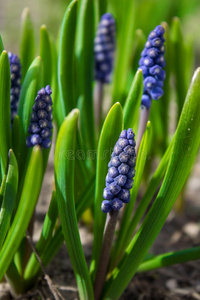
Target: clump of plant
(98, 164)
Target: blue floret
(104, 48)
(15, 72)
(119, 179)
(151, 63)
(40, 128)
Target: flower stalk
(109, 232)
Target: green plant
(82, 154)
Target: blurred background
(149, 14)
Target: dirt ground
(179, 282)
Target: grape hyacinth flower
(119, 179)
(104, 49)
(15, 71)
(40, 128)
(152, 63)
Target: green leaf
(100, 9)
(33, 269)
(54, 79)
(86, 198)
(32, 83)
(126, 30)
(33, 265)
(159, 115)
(66, 58)
(150, 192)
(169, 259)
(109, 135)
(27, 43)
(185, 147)
(64, 177)
(139, 42)
(46, 55)
(133, 101)
(9, 196)
(16, 136)
(84, 55)
(1, 45)
(30, 193)
(123, 240)
(5, 119)
(179, 54)
(2, 188)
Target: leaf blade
(64, 177)
(109, 135)
(27, 42)
(178, 169)
(5, 118)
(9, 196)
(25, 209)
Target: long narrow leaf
(109, 135)
(30, 193)
(46, 55)
(133, 101)
(33, 269)
(5, 120)
(124, 46)
(32, 83)
(33, 265)
(9, 196)
(184, 151)
(16, 137)
(169, 259)
(66, 58)
(179, 54)
(84, 55)
(64, 177)
(27, 43)
(122, 240)
(100, 9)
(1, 45)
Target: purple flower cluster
(40, 128)
(119, 179)
(15, 70)
(104, 48)
(152, 63)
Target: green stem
(45, 237)
(144, 116)
(14, 279)
(170, 258)
(98, 96)
(47, 248)
(151, 190)
(105, 253)
(34, 270)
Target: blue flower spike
(121, 171)
(104, 48)
(40, 128)
(152, 63)
(15, 72)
